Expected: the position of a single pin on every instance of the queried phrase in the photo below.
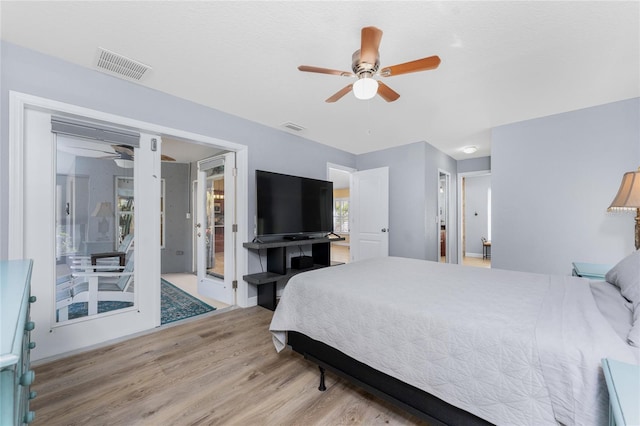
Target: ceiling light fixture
(124, 163)
(365, 88)
(469, 149)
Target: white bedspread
(513, 348)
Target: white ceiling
(502, 62)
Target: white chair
(94, 285)
(118, 257)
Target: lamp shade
(103, 209)
(628, 197)
(365, 88)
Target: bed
(462, 345)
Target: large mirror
(94, 228)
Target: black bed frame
(411, 399)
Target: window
(341, 215)
(125, 208)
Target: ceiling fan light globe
(125, 164)
(365, 88)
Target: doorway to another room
(475, 217)
(341, 178)
(444, 179)
(197, 225)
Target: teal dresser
(623, 384)
(15, 341)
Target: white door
(37, 236)
(369, 214)
(215, 239)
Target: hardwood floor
(477, 261)
(222, 369)
(340, 253)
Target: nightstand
(593, 271)
(623, 384)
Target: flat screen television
(292, 206)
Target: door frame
(447, 236)
(461, 198)
(19, 104)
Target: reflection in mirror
(94, 228)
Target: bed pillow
(634, 334)
(626, 276)
(617, 310)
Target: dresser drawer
(16, 376)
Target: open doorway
(475, 218)
(179, 255)
(444, 181)
(341, 178)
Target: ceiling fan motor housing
(363, 69)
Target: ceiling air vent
(120, 65)
(292, 126)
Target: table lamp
(104, 211)
(628, 199)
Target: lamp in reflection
(104, 211)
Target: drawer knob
(33, 394)
(30, 326)
(32, 345)
(32, 299)
(29, 417)
(27, 378)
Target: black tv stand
(297, 237)
(277, 264)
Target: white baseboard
(474, 255)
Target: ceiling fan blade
(166, 158)
(387, 93)
(123, 149)
(340, 94)
(423, 64)
(307, 68)
(369, 44)
(83, 151)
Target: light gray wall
(476, 209)
(413, 197)
(474, 164)
(552, 181)
(176, 255)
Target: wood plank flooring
(221, 369)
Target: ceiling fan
(126, 152)
(366, 64)
(121, 154)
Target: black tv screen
(292, 205)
